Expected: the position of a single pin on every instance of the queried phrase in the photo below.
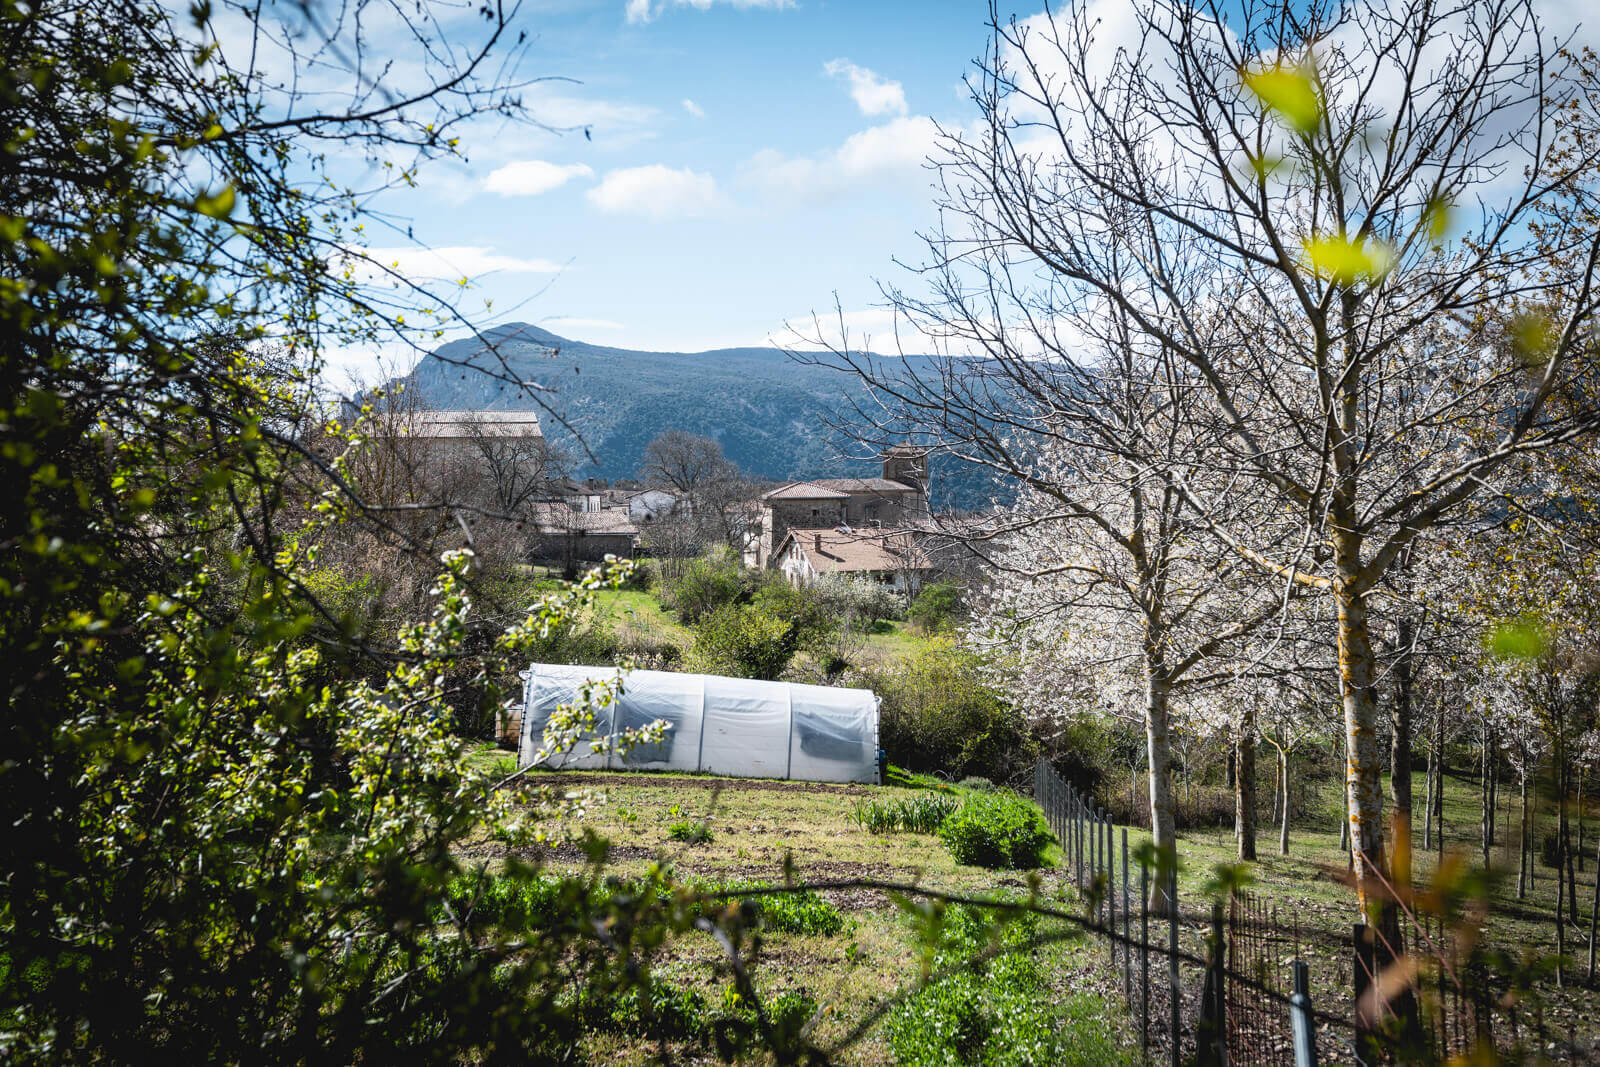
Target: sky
(709, 173)
(718, 168)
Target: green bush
(937, 714)
(937, 607)
(999, 1012)
(743, 641)
(693, 833)
(711, 581)
(797, 912)
(996, 830)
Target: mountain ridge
(770, 412)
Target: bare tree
(1317, 215)
(685, 463)
(712, 492)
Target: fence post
(1127, 945)
(1077, 832)
(1174, 986)
(1210, 1039)
(1111, 896)
(1301, 1020)
(1144, 959)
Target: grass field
(637, 613)
(755, 826)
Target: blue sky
(746, 160)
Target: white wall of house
(650, 505)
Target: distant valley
(769, 412)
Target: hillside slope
(769, 412)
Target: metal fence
(1240, 992)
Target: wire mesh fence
(1226, 982)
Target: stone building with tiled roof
(898, 498)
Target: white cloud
(646, 10)
(530, 177)
(896, 148)
(451, 263)
(656, 192)
(872, 93)
(693, 108)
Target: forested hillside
(770, 412)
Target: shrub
(996, 830)
(692, 833)
(660, 1011)
(980, 785)
(743, 641)
(938, 715)
(936, 607)
(798, 912)
(919, 814)
(711, 581)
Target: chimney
(818, 539)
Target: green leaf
(218, 206)
(1345, 260)
(1437, 218)
(1290, 93)
(1520, 639)
(1532, 338)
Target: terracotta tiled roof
(805, 491)
(864, 485)
(839, 550)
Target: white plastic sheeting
(730, 726)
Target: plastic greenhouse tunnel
(728, 726)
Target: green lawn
(639, 611)
(756, 827)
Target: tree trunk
(1523, 857)
(1277, 795)
(1427, 804)
(1594, 910)
(1158, 743)
(1486, 827)
(1438, 788)
(1244, 792)
(1363, 777)
(1283, 815)
(1400, 745)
